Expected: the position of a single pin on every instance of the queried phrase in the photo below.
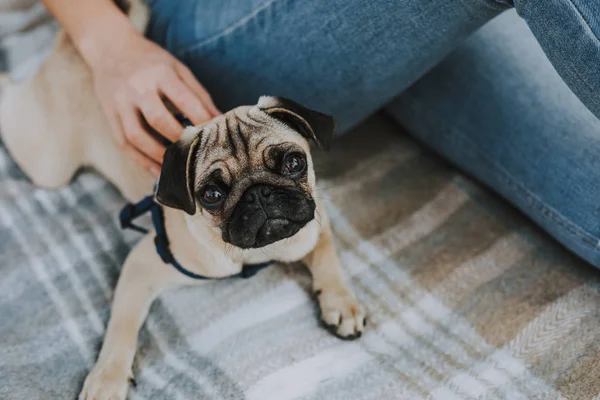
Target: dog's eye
(294, 165)
(212, 196)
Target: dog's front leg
(142, 279)
(340, 310)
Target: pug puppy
(237, 190)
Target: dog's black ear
(176, 182)
(311, 124)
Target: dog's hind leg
(43, 149)
(53, 124)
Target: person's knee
(497, 108)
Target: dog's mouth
(273, 230)
(260, 220)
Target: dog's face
(248, 172)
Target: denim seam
(547, 212)
(550, 213)
(587, 24)
(581, 78)
(242, 21)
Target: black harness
(161, 240)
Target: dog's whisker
(264, 251)
(318, 214)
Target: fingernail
(155, 171)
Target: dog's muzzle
(266, 214)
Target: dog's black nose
(256, 192)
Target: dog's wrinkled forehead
(241, 141)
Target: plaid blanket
(466, 298)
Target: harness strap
(161, 241)
(131, 211)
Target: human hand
(132, 76)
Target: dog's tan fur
(53, 125)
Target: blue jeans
(517, 110)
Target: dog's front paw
(341, 313)
(106, 383)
